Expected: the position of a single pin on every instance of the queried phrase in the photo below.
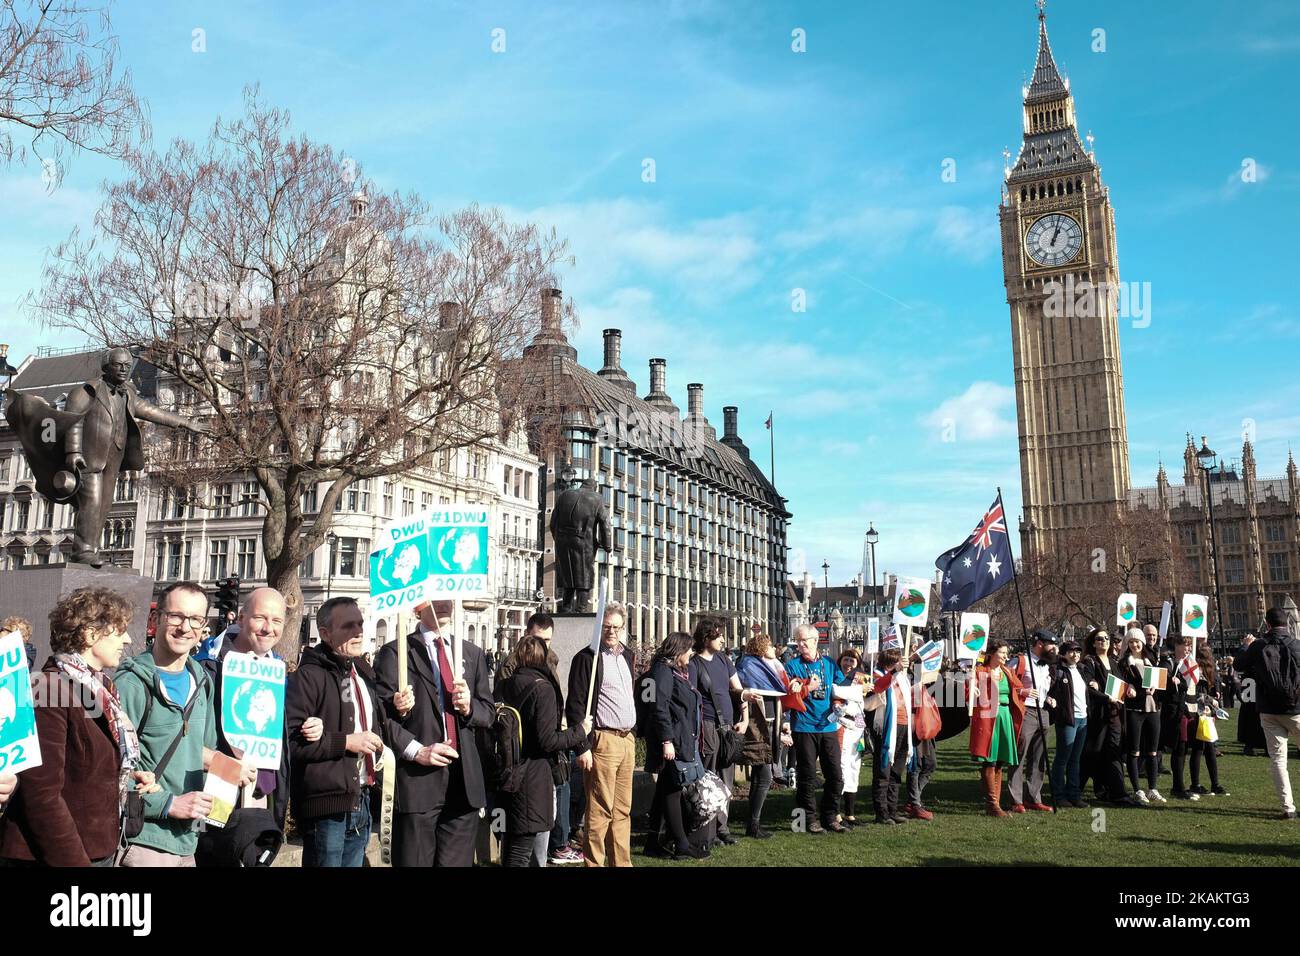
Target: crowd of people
(417, 742)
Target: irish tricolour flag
(1115, 688)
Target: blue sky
(821, 171)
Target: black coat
(324, 779)
(1252, 665)
(1062, 693)
(1103, 713)
(1133, 676)
(536, 695)
(420, 788)
(575, 707)
(676, 717)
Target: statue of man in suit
(76, 454)
(579, 525)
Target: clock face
(1054, 239)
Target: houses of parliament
(1058, 229)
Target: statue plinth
(31, 592)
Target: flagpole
(1014, 579)
(771, 442)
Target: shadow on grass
(1233, 849)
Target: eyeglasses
(196, 622)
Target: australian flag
(979, 565)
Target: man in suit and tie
(105, 440)
(440, 788)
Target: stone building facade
(697, 527)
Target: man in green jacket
(157, 688)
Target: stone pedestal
(572, 633)
(32, 592)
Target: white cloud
(976, 414)
(970, 234)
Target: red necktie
(358, 691)
(444, 672)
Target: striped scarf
(897, 694)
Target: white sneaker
(1154, 795)
(1142, 797)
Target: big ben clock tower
(1062, 275)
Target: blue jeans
(338, 840)
(1070, 744)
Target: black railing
(515, 541)
(516, 594)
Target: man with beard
(1032, 742)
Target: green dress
(1002, 748)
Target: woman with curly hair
(68, 811)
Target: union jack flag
(993, 521)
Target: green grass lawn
(1238, 830)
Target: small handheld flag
(1115, 688)
(1155, 678)
(1190, 669)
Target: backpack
(505, 764)
(1277, 677)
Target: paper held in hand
(223, 784)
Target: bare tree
(1079, 578)
(60, 85)
(328, 336)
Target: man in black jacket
(440, 790)
(261, 622)
(332, 777)
(1271, 662)
(607, 756)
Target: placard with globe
(974, 629)
(252, 707)
(437, 554)
(912, 602)
(1195, 617)
(20, 748)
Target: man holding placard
(249, 679)
(440, 788)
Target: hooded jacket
(140, 690)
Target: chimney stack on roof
(658, 395)
(730, 437)
(613, 371)
(550, 339)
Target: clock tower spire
(1062, 279)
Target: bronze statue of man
(76, 454)
(579, 525)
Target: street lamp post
(1206, 457)
(826, 578)
(872, 537)
(333, 540)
